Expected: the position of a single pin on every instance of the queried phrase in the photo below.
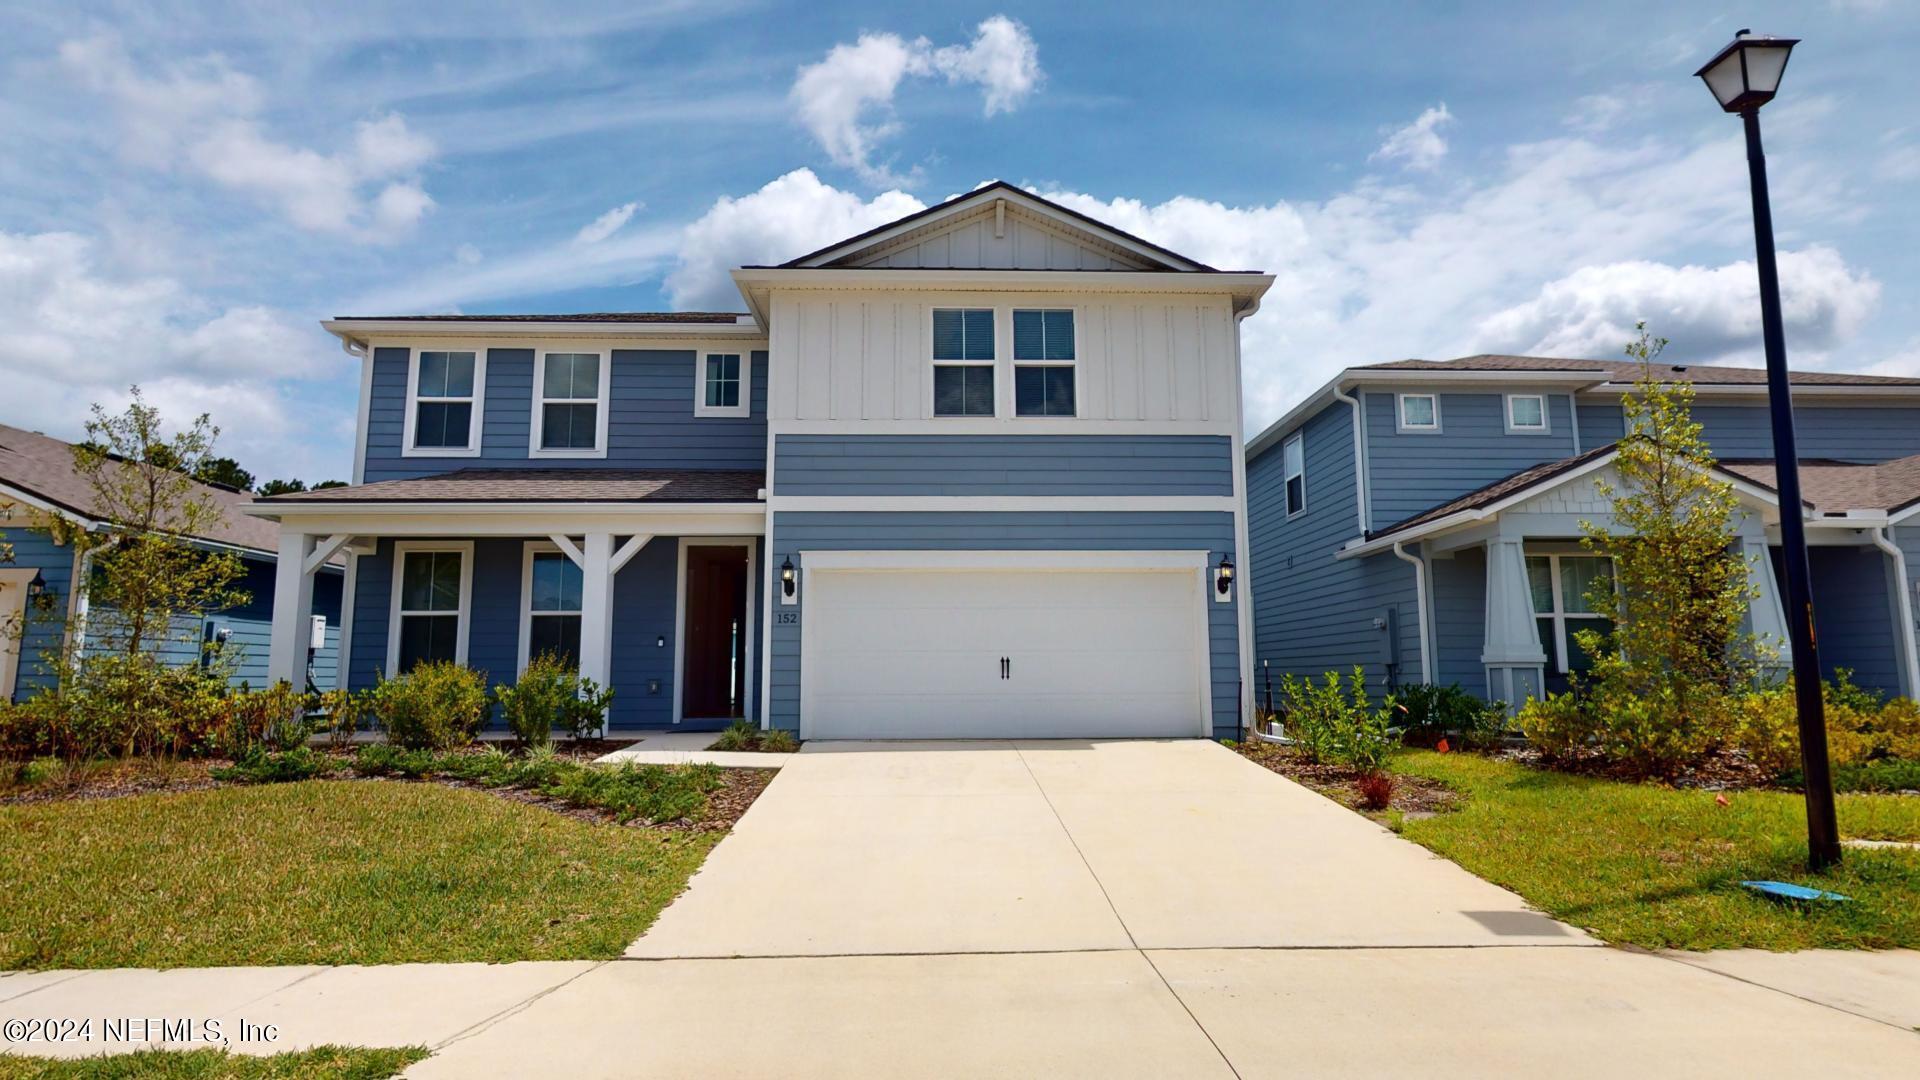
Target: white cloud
(606, 224)
(1418, 145)
(785, 219)
(81, 334)
(846, 99)
(1715, 311)
(200, 114)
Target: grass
(326, 872)
(1646, 865)
(319, 1063)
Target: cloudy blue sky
(186, 189)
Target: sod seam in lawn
(326, 872)
(318, 1063)
(1647, 865)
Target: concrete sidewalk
(689, 748)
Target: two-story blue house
(1423, 517)
(44, 602)
(977, 472)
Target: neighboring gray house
(1423, 517)
(976, 472)
(42, 593)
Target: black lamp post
(1743, 77)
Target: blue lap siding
(795, 532)
(1414, 471)
(1853, 614)
(1844, 433)
(650, 423)
(1006, 465)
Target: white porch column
(292, 610)
(596, 608)
(1767, 613)
(1516, 665)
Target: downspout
(1420, 596)
(1359, 458)
(1904, 607)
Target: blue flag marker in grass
(1782, 890)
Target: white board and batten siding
(1148, 359)
(1018, 244)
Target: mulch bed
(115, 779)
(1727, 770)
(1411, 794)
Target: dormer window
(443, 402)
(722, 389)
(1526, 414)
(963, 361)
(1419, 413)
(570, 405)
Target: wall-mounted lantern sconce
(789, 580)
(39, 597)
(1223, 580)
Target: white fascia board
(1003, 504)
(1245, 288)
(1898, 516)
(284, 511)
(362, 330)
(25, 498)
(839, 559)
(1294, 417)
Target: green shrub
(119, 705)
(650, 793)
(439, 705)
(549, 695)
(776, 741)
(1434, 712)
(740, 735)
(1556, 725)
(385, 759)
(1860, 729)
(272, 719)
(262, 766)
(1337, 723)
(1882, 775)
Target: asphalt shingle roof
(584, 317)
(590, 485)
(1494, 492)
(1835, 486)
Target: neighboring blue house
(43, 601)
(1423, 517)
(973, 473)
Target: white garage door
(939, 654)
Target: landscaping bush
(117, 705)
(1336, 723)
(1860, 730)
(386, 759)
(1434, 712)
(272, 719)
(776, 741)
(262, 766)
(1376, 790)
(1883, 775)
(438, 705)
(652, 793)
(746, 736)
(549, 695)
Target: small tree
(1678, 592)
(225, 471)
(148, 577)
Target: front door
(715, 673)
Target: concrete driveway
(1124, 909)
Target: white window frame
(1297, 439)
(700, 406)
(601, 403)
(527, 614)
(1015, 364)
(1544, 427)
(1400, 415)
(1560, 615)
(403, 548)
(475, 424)
(1002, 387)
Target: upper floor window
(443, 403)
(1526, 413)
(570, 405)
(1043, 363)
(963, 360)
(1293, 466)
(1419, 412)
(723, 387)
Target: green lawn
(1646, 865)
(326, 872)
(319, 1063)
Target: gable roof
(836, 254)
(1482, 497)
(41, 468)
(1626, 371)
(1835, 487)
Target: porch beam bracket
(627, 551)
(326, 549)
(569, 549)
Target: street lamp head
(1745, 74)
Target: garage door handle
(1006, 668)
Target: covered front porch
(655, 597)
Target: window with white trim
(1527, 413)
(1419, 412)
(553, 591)
(429, 607)
(443, 406)
(1043, 363)
(963, 362)
(569, 406)
(723, 389)
(1560, 585)
(1293, 467)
